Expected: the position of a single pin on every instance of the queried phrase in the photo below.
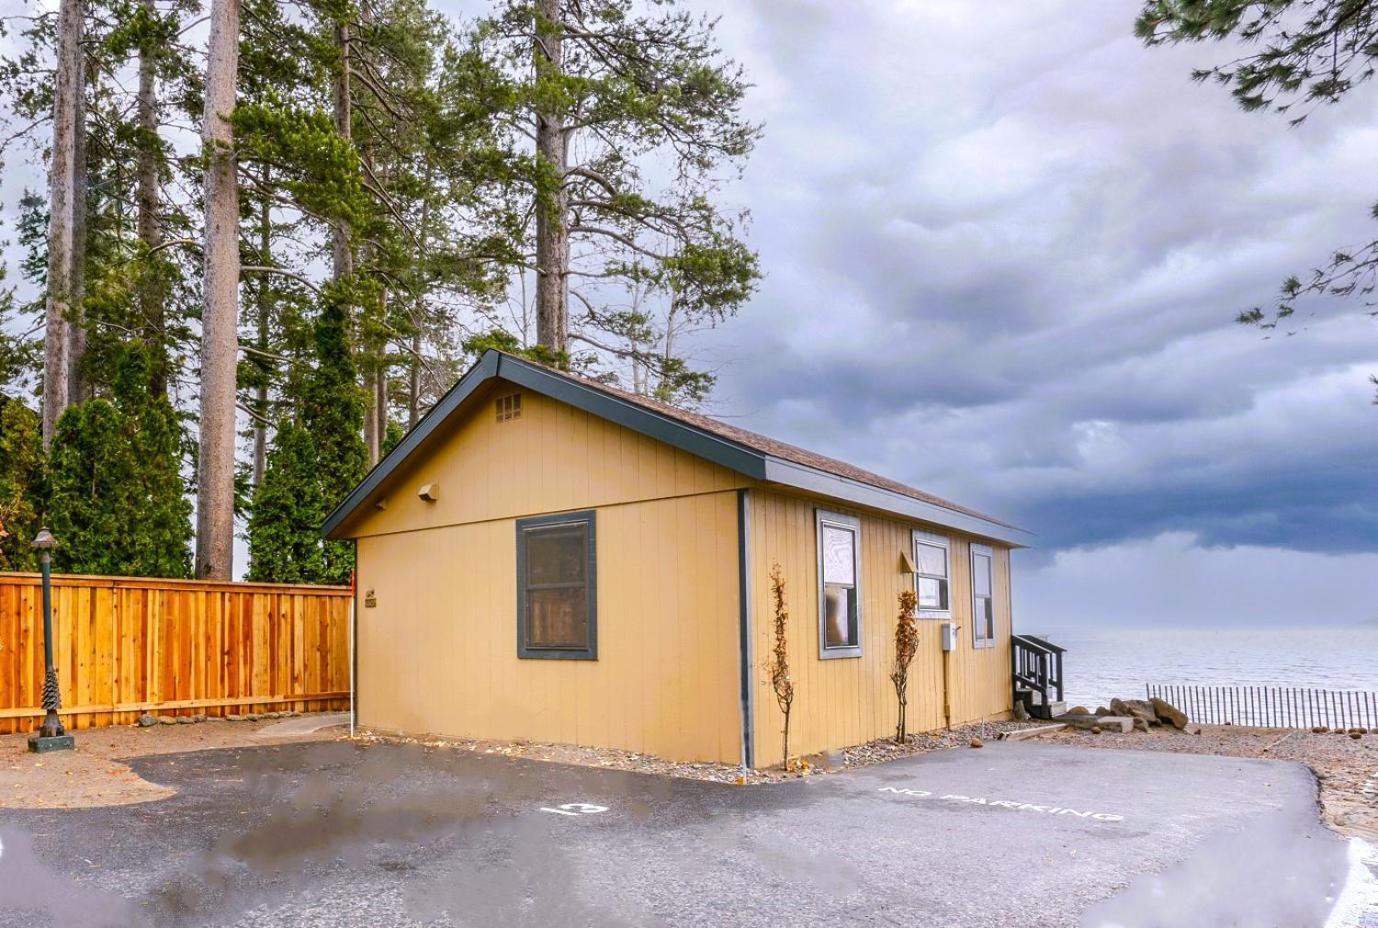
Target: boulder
(978, 743)
(233, 717)
(1167, 712)
(185, 720)
(1101, 710)
(1115, 723)
(166, 720)
(1078, 710)
(1140, 725)
(1134, 708)
(146, 721)
(198, 718)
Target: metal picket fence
(1271, 706)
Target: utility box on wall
(949, 635)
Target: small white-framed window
(932, 574)
(982, 596)
(839, 585)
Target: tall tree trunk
(62, 180)
(380, 408)
(376, 394)
(342, 256)
(414, 380)
(76, 377)
(265, 245)
(371, 437)
(152, 311)
(220, 316)
(423, 258)
(552, 205)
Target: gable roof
(748, 453)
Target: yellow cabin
(547, 558)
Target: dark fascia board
(495, 365)
(790, 474)
(729, 454)
(486, 369)
(648, 422)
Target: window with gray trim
(982, 596)
(557, 602)
(932, 573)
(839, 585)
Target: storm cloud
(1004, 247)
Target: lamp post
(51, 736)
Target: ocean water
(1101, 664)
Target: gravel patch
(1346, 767)
(861, 755)
(963, 736)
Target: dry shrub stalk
(906, 644)
(778, 665)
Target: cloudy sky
(1004, 245)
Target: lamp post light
(51, 736)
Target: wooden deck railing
(126, 645)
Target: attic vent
(509, 407)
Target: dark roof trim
(863, 494)
(743, 460)
(480, 373)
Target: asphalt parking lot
(336, 834)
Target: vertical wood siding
(438, 653)
(126, 645)
(845, 701)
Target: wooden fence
(1271, 706)
(172, 647)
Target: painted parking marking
(575, 808)
(1002, 804)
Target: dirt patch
(884, 749)
(578, 755)
(861, 755)
(1347, 768)
(93, 775)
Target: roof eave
(800, 477)
(476, 376)
(735, 457)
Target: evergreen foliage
(21, 472)
(1303, 54)
(635, 91)
(117, 501)
(395, 141)
(316, 459)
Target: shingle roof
(767, 445)
(746, 452)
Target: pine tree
(605, 88)
(117, 502)
(21, 463)
(89, 467)
(1303, 54)
(315, 461)
(159, 503)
